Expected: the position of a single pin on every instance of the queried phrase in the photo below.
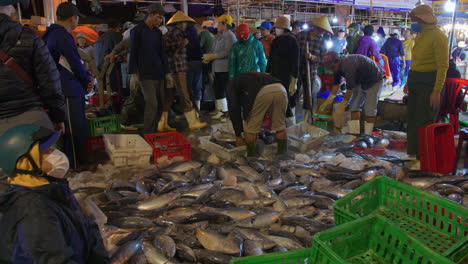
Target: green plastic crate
(300, 256)
(104, 125)
(437, 222)
(370, 240)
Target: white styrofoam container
(226, 154)
(126, 150)
(317, 133)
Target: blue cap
(381, 31)
(265, 25)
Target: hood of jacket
(9, 32)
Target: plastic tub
(125, 150)
(170, 144)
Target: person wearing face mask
(75, 81)
(266, 37)
(42, 221)
(284, 61)
(367, 46)
(311, 50)
(220, 66)
(247, 53)
(353, 37)
(176, 42)
(427, 74)
(395, 51)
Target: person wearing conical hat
(313, 39)
(427, 74)
(284, 60)
(176, 41)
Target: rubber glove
(169, 81)
(338, 114)
(207, 58)
(326, 105)
(382, 62)
(292, 86)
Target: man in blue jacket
(74, 79)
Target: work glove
(338, 114)
(169, 81)
(292, 86)
(207, 58)
(326, 105)
(382, 62)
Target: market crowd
(250, 73)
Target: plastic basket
(220, 151)
(104, 125)
(125, 150)
(95, 144)
(173, 144)
(95, 100)
(398, 144)
(294, 140)
(327, 78)
(299, 256)
(369, 151)
(438, 223)
(370, 240)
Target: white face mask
(279, 31)
(59, 163)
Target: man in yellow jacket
(426, 78)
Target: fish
(447, 189)
(131, 222)
(158, 201)
(214, 241)
(154, 256)
(308, 224)
(260, 221)
(166, 245)
(126, 251)
(182, 166)
(185, 253)
(252, 248)
(286, 242)
(237, 214)
(211, 257)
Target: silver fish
(158, 201)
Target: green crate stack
(438, 223)
(370, 240)
(104, 125)
(300, 256)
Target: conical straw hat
(322, 22)
(283, 22)
(179, 16)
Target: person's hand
(382, 63)
(403, 65)
(110, 56)
(405, 89)
(292, 86)
(240, 142)
(169, 81)
(326, 105)
(60, 127)
(207, 58)
(435, 100)
(338, 114)
(185, 42)
(90, 86)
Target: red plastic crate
(175, 145)
(369, 151)
(327, 78)
(437, 148)
(398, 144)
(94, 100)
(95, 144)
(266, 122)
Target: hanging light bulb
(305, 26)
(449, 6)
(329, 44)
(334, 20)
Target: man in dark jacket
(105, 44)
(194, 66)
(284, 60)
(74, 78)
(252, 95)
(42, 221)
(20, 102)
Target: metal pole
(184, 5)
(454, 17)
(406, 19)
(19, 13)
(238, 12)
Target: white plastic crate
(126, 150)
(226, 154)
(294, 140)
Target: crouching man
(250, 97)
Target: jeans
(194, 79)
(153, 92)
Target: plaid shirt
(316, 47)
(176, 50)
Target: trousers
(220, 83)
(194, 79)
(153, 92)
(420, 112)
(76, 131)
(35, 116)
(395, 67)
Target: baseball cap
(243, 31)
(156, 8)
(68, 9)
(265, 25)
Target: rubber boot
(163, 126)
(198, 103)
(282, 146)
(192, 120)
(368, 128)
(251, 149)
(354, 127)
(221, 106)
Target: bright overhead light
(449, 6)
(329, 44)
(335, 20)
(305, 27)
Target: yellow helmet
(227, 19)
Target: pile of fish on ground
(200, 212)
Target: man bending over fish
(252, 95)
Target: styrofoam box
(317, 133)
(125, 150)
(226, 154)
